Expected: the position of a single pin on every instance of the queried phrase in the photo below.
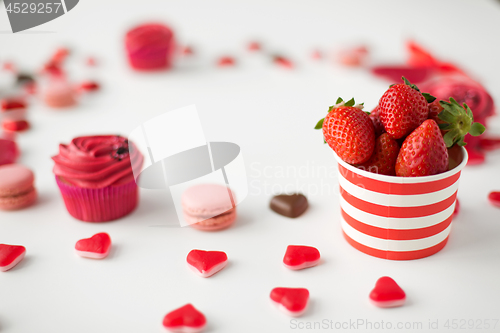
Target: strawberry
(403, 108)
(383, 160)
(434, 110)
(423, 152)
(375, 117)
(348, 131)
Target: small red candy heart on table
(299, 257)
(292, 301)
(206, 263)
(494, 198)
(95, 247)
(185, 319)
(10, 256)
(387, 293)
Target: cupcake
(150, 46)
(94, 174)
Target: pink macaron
(209, 207)
(59, 94)
(16, 187)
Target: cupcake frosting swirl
(97, 161)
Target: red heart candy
(95, 247)
(494, 198)
(10, 256)
(292, 301)
(206, 263)
(185, 319)
(387, 293)
(299, 257)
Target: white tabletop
(270, 112)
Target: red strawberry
(423, 152)
(383, 160)
(402, 109)
(375, 117)
(349, 132)
(434, 110)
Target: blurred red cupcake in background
(150, 46)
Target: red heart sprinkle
(88, 86)
(299, 257)
(283, 62)
(387, 293)
(226, 61)
(15, 126)
(10, 256)
(254, 46)
(206, 263)
(494, 198)
(185, 319)
(95, 247)
(292, 301)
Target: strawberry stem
(458, 121)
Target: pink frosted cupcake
(150, 46)
(94, 174)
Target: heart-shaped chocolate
(10, 256)
(387, 293)
(299, 257)
(206, 263)
(95, 247)
(292, 205)
(292, 301)
(185, 319)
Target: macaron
(59, 94)
(16, 187)
(209, 207)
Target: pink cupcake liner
(150, 61)
(101, 204)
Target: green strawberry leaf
(458, 121)
(405, 80)
(330, 108)
(429, 98)
(449, 137)
(324, 141)
(339, 100)
(319, 125)
(476, 129)
(350, 102)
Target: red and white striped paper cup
(397, 218)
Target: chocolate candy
(289, 205)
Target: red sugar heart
(387, 293)
(494, 198)
(226, 61)
(292, 301)
(185, 319)
(206, 263)
(10, 256)
(299, 257)
(95, 247)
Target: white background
(270, 112)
